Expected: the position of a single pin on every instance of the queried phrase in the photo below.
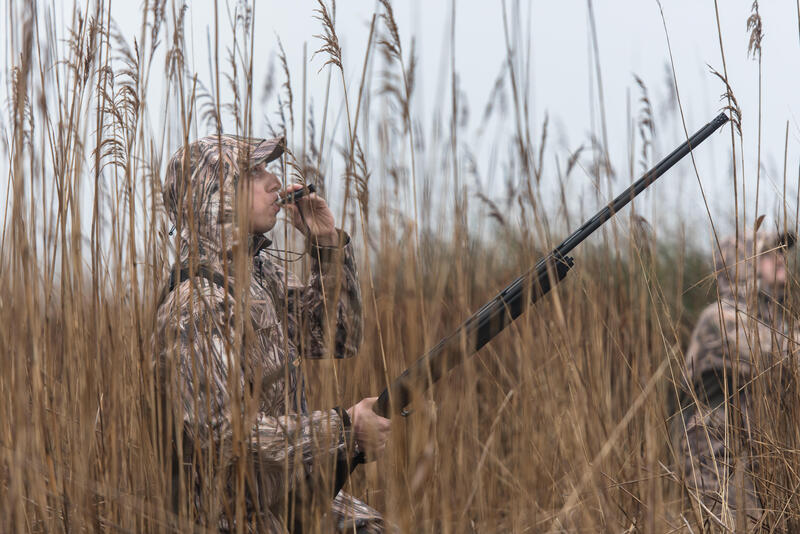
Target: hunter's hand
(312, 216)
(370, 429)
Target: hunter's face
(264, 205)
(772, 271)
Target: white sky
(631, 40)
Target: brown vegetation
(564, 423)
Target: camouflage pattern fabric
(227, 358)
(734, 340)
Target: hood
(200, 189)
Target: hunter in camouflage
(734, 342)
(245, 448)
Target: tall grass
(564, 423)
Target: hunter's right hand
(370, 429)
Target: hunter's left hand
(312, 216)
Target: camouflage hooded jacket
(720, 344)
(227, 357)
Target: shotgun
(498, 313)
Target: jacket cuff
(328, 254)
(357, 456)
(346, 425)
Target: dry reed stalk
(543, 424)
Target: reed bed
(566, 422)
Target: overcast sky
(631, 40)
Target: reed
(566, 422)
